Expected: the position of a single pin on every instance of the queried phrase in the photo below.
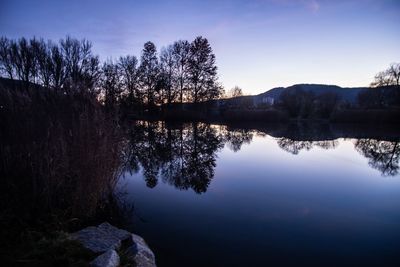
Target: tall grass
(59, 154)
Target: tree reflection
(235, 138)
(295, 147)
(381, 155)
(328, 144)
(184, 157)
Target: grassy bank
(60, 160)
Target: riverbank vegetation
(181, 83)
(60, 159)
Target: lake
(215, 195)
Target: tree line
(306, 104)
(182, 72)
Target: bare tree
(110, 84)
(58, 71)
(394, 72)
(168, 74)
(90, 74)
(6, 60)
(390, 76)
(128, 67)
(82, 67)
(149, 71)
(24, 60)
(381, 96)
(43, 61)
(381, 79)
(235, 92)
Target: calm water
(210, 195)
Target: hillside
(345, 94)
(348, 94)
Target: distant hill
(377, 97)
(348, 94)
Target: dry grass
(60, 155)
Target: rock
(119, 233)
(106, 238)
(140, 252)
(101, 238)
(107, 259)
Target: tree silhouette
(390, 76)
(149, 72)
(385, 93)
(128, 68)
(58, 72)
(81, 66)
(111, 84)
(181, 54)
(22, 55)
(202, 72)
(168, 74)
(6, 59)
(42, 60)
(184, 71)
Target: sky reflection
(267, 205)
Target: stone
(140, 252)
(101, 238)
(108, 259)
(112, 230)
(106, 238)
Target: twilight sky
(259, 44)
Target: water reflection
(381, 155)
(295, 147)
(236, 138)
(184, 155)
